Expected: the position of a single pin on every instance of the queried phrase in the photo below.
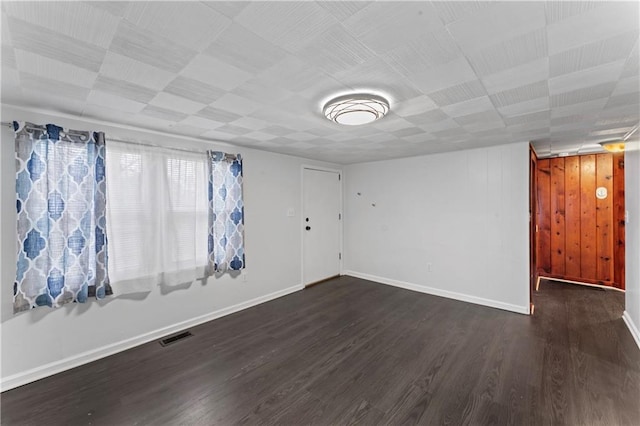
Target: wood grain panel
(604, 219)
(544, 217)
(588, 254)
(618, 221)
(581, 238)
(572, 215)
(557, 217)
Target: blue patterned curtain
(226, 213)
(60, 190)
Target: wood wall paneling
(604, 219)
(588, 255)
(557, 217)
(572, 216)
(581, 237)
(544, 217)
(618, 220)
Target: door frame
(533, 226)
(301, 222)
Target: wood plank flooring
(351, 351)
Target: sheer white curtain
(157, 219)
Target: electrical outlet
(429, 267)
(244, 276)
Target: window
(156, 216)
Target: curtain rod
(193, 151)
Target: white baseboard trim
(443, 293)
(632, 327)
(52, 368)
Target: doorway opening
(579, 223)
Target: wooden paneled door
(581, 219)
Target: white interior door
(321, 225)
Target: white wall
(43, 341)
(632, 238)
(453, 224)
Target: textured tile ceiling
(458, 75)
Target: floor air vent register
(175, 338)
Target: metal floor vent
(175, 338)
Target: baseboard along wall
(68, 363)
(442, 293)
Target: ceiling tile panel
(5, 33)
(580, 108)
(233, 130)
(55, 87)
(176, 103)
(51, 44)
(517, 76)
(511, 53)
(203, 123)
(459, 93)
(107, 100)
(529, 107)
(124, 89)
(214, 72)
(478, 117)
(450, 11)
(427, 117)
(168, 19)
(342, 10)
(427, 50)
(521, 94)
(235, 104)
(628, 99)
(142, 45)
(250, 123)
(377, 76)
(230, 9)
(163, 113)
(124, 68)
(479, 104)
(496, 23)
(593, 54)
(244, 49)
(528, 118)
(289, 25)
(593, 25)
(76, 20)
(627, 85)
(582, 95)
(608, 73)
(413, 106)
(559, 10)
(116, 8)
(335, 50)
(193, 90)
(395, 25)
(45, 67)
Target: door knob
(308, 228)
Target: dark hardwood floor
(352, 351)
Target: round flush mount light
(613, 146)
(356, 109)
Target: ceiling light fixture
(618, 146)
(356, 109)
(613, 146)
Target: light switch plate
(291, 212)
